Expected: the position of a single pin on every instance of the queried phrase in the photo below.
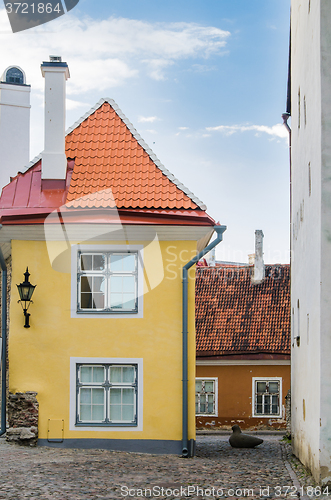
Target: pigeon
(239, 440)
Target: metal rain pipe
(3, 343)
(219, 230)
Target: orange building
(243, 346)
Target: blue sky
(203, 81)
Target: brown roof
(235, 317)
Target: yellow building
(105, 235)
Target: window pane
(129, 284)
(209, 386)
(202, 398)
(97, 396)
(116, 301)
(116, 263)
(98, 284)
(97, 412)
(98, 374)
(261, 386)
(86, 373)
(128, 413)
(115, 396)
(198, 385)
(259, 409)
(210, 407)
(85, 412)
(115, 412)
(86, 262)
(86, 284)
(116, 284)
(128, 396)
(115, 374)
(123, 263)
(98, 301)
(85, 396)
(202, 408)
(86, 301)
(99, 262)
(128, 374)
(273, 387)
(129, 301)
(266, 409)
(129, 263)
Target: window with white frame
(107, 282)
(267, 397)
(106, 394)
(206, 396)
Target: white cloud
(148, 119)
(106, 53)
(71, 104)
(182, 128)
(277, 130)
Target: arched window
(15, 75)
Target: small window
(106, 394)
(267, 397)
(107, 282)
(14, 75)
(206, 396)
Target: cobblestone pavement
(218, 471)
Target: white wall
(311, 234)
(14, 130)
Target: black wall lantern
(25, 291)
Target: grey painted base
(137, 445)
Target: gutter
(219, 230)
(3, 343)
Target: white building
(311, 234)
(14, 123)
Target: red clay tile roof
(109, 165)
(235, 317)
(110, 161)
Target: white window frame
(215, 380)
(94, 313)
(105, 427)
(280, 406)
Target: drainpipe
(3, 343)
(219, 230)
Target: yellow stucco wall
(39, 356)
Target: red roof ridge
(140, 141)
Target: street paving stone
(218, 471)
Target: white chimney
(14, 123)
(54, 161)
(259, 272)
(212, 257)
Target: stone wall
(288, 414)
(23, 409)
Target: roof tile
(234, 316)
